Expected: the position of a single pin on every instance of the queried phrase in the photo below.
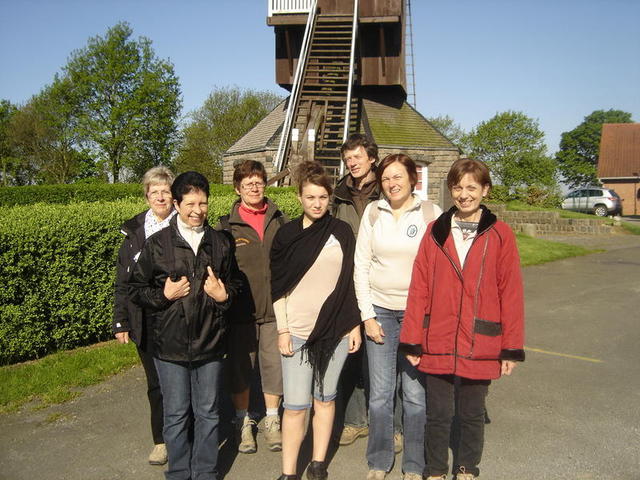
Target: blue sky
(554, 60)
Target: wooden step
(316, 51)
(329, 35)
(326, 84)
(344, 56)
(330, 76)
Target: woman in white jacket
(388, 240)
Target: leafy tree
(128, 101)
(227, 114)
(46, 135)
(449, 128)
(513, 147)
(580, 147)
(7, 159)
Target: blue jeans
(351, 403)
(187, 389)
(297, 376)
(383, 362)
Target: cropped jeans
(297, 376)
(384, 362)
(185, 389)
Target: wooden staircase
(324, 94)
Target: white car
(597, 200)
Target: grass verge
(534, 251)
(632, 228)
(55, 378)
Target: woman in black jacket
(185, 278)
(128, 320)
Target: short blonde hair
(157, 175)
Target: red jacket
(463, 321)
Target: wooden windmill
(345, 65)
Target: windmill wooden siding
(380, 41)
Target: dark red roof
(619, 150)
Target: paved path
(571, 411)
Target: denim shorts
(297, 376)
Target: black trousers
(441, 407)
(145, 352)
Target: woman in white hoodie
(388, 241)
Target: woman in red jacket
(464, 321)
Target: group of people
(356, 313)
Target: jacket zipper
(461, 277)
(191, 291)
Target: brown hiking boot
(351, 433)
(272, 434)
(244, 435)
(398, 442)
(463, 475)
(158, 455)
(376, 475)
(412, 476)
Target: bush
(80, 192)
(538, 196)
(499, 194)
(57, 270)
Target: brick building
(619, 163)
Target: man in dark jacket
(352, 194)
(185, 278)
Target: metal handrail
(295, 90)
(347, 118)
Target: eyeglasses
(252, 185)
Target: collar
(442, 226)
(365, 186)
(260, 211)
(184, 226)
(345, 184)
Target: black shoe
(317, 471)
(287, 477)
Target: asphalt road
(571, 411)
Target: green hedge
(57, 268)
(80, 192)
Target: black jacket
(127, 316)
(190, 329)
